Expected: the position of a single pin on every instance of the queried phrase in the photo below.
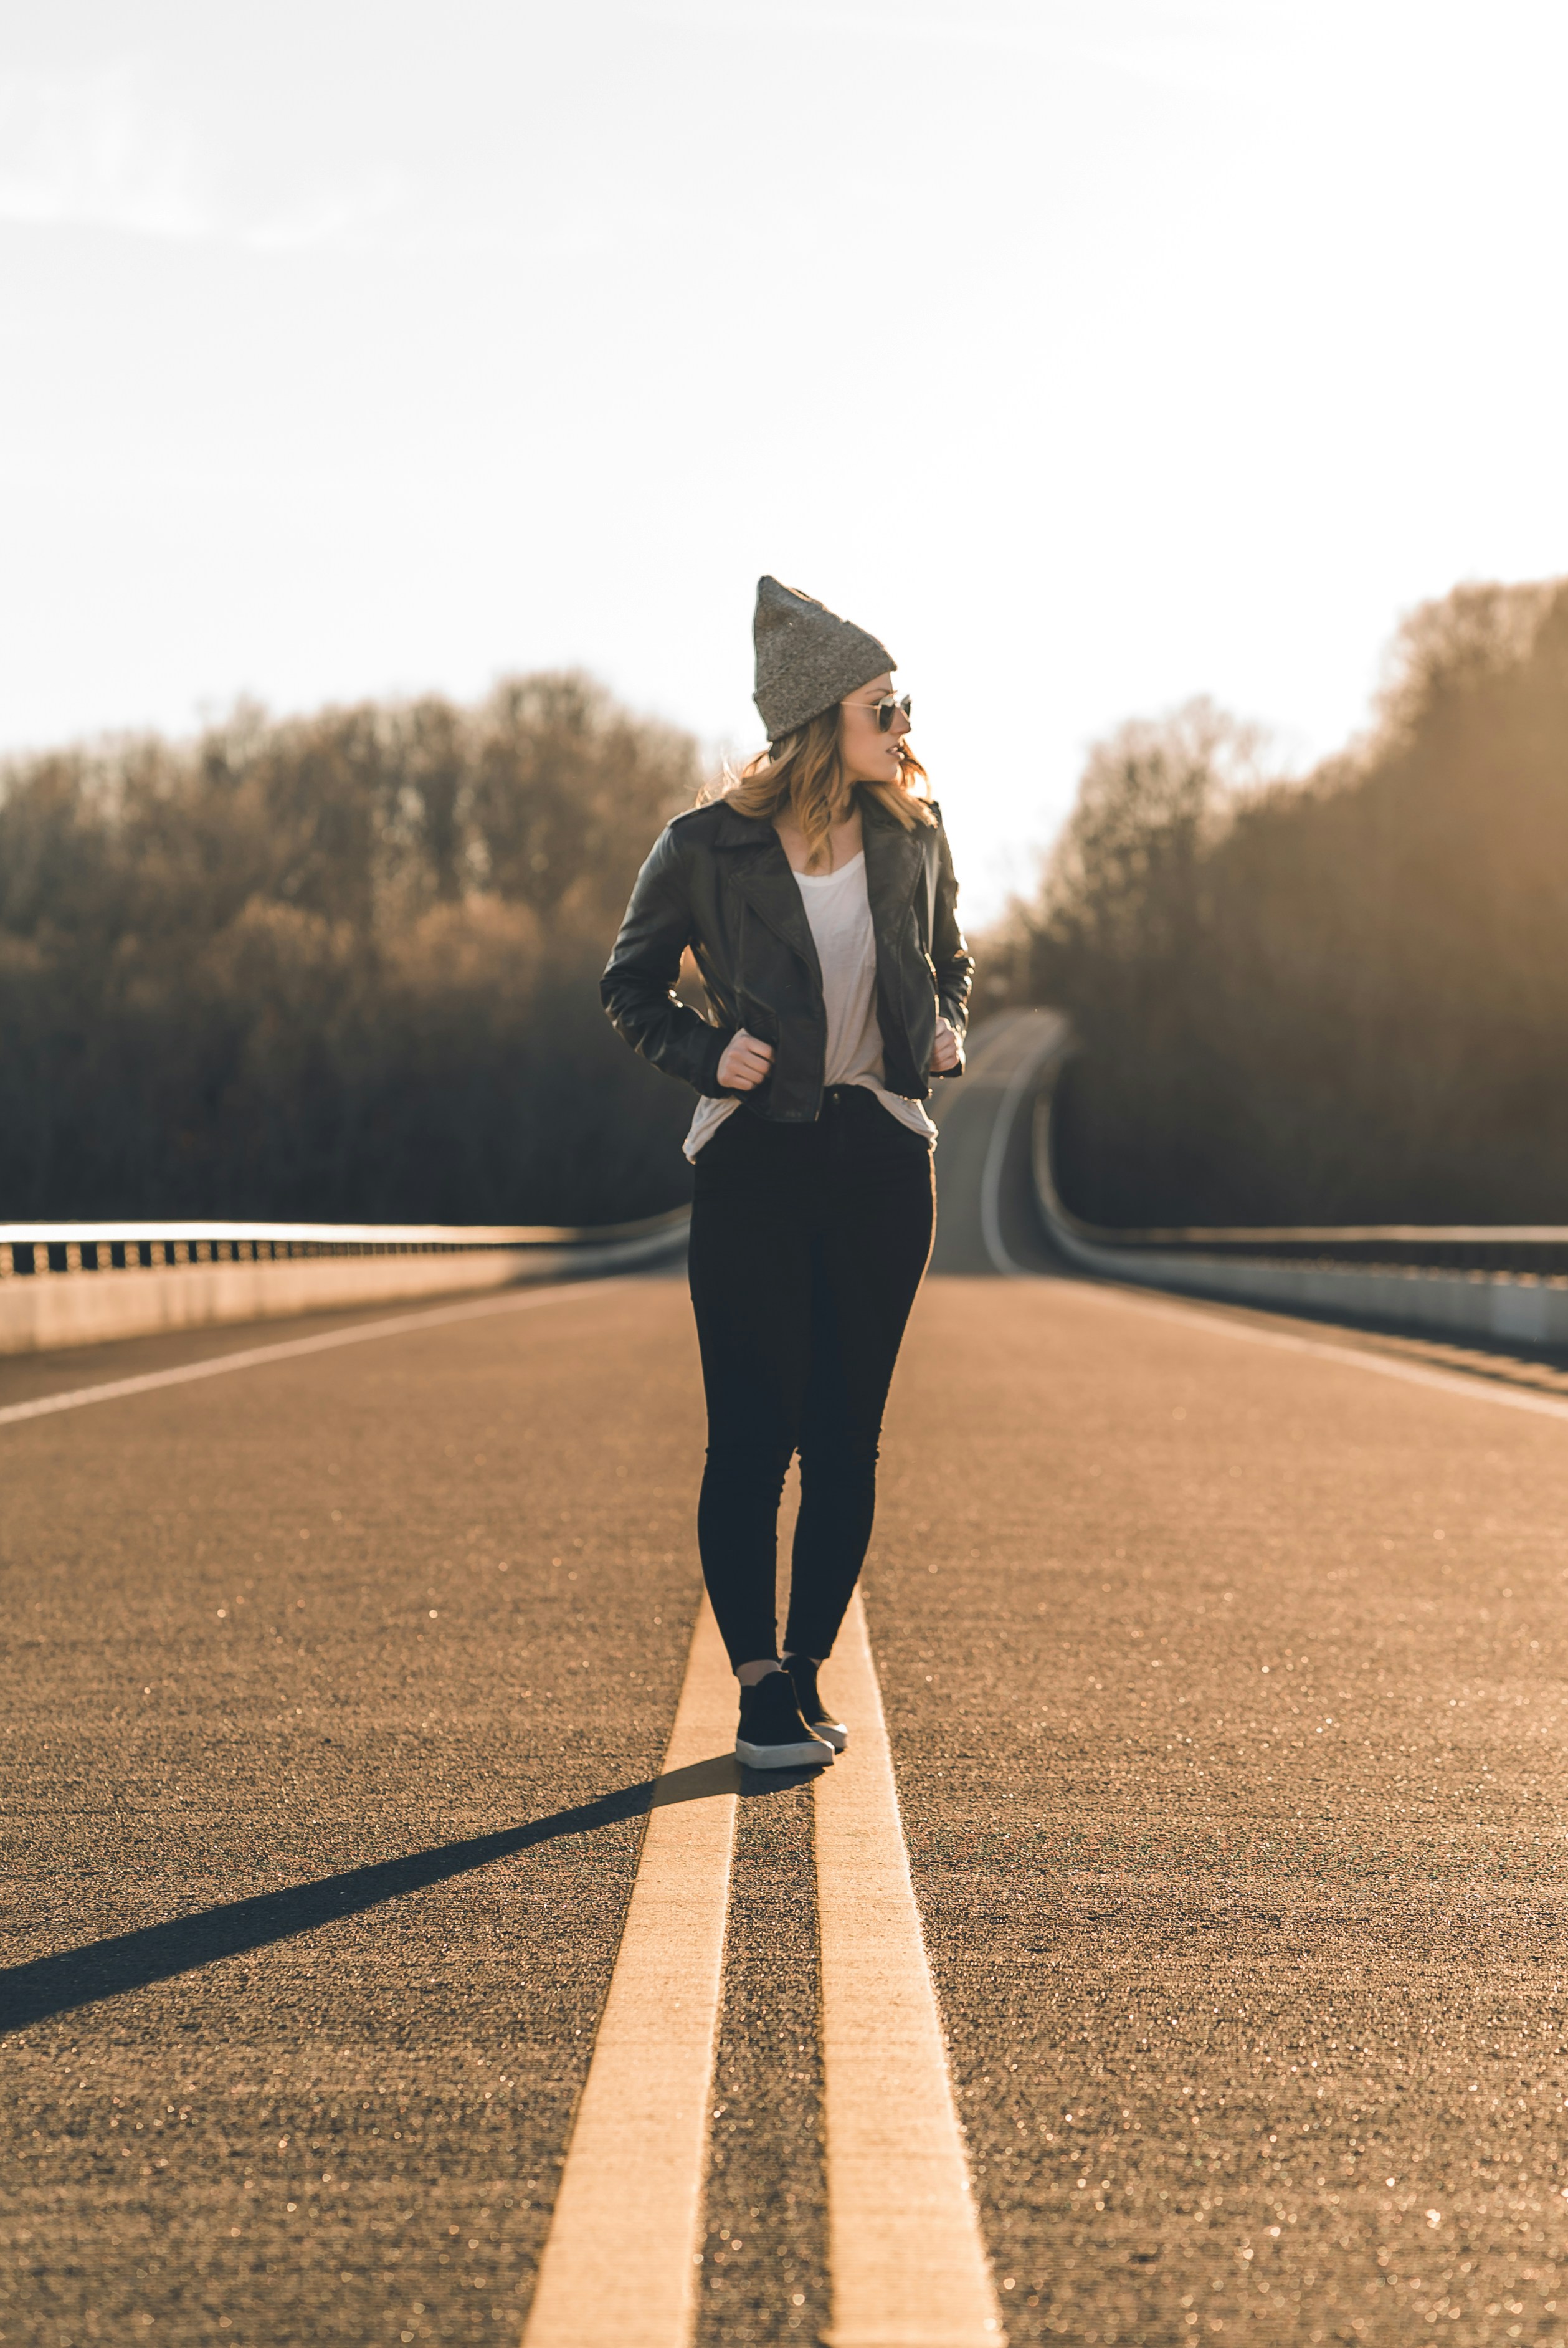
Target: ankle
(749, 1675)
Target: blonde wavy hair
(804, 771)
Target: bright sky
(1093, 353)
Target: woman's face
(870, 756)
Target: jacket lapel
(759, 869)
(893, 864)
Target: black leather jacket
(721, 884)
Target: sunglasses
(891, 706)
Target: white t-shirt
(839, 912)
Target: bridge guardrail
(1504, 1284)
(81, 1283)
(36, 1249)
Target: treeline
(340, 967)
(1339, 1000)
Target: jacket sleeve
(950, 956)
(637, 989)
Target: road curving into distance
(1222, 1667)
(989, 1218)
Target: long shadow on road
(130, 1960)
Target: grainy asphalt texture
(332, 1686)
(1225, 1687)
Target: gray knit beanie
(807, 658)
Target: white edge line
(1454, 1381)
(995, 1246)
(293, 1348)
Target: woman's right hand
(744, 1062)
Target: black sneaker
(813, 1711)
(772, 1734)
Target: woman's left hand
(945, 1050)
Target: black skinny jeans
(808, 1242)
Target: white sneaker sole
(834, 1732)
(815, 1753)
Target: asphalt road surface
(1224, 1664)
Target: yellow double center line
(908, 2266)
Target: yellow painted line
(294, 1349)
(619, 2263)
(908, 2268)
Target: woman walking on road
(817, 897)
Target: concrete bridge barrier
(65, 1284)
(1353, 1272)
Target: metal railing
(1496, 1285)
(1537, 1250)
(35, 1250)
